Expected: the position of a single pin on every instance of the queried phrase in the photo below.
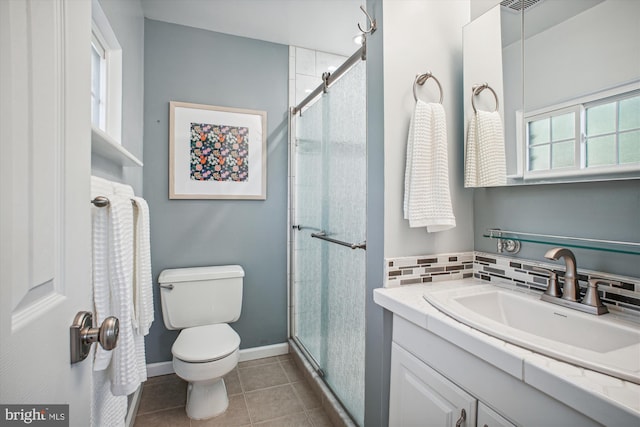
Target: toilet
(201, 302)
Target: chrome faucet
(570, 291)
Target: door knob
(83, 334)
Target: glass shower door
(330, 197)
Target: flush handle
(83, 334)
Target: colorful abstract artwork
(219, 153)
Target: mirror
(566, 78)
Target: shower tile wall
(305, 70)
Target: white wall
(478, 7)
(422, 36)
(595, 50)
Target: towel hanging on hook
(421, 79)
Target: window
(553, 139)
(597, 136)
(106, 76)
(98, 83)
(613, 132)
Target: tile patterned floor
(264, 392)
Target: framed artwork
(217, 152)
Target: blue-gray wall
(127, 22)
(191, 65)
(600, 210)
(379, 321)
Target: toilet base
(206, 399)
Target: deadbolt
(83, 334)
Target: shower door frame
(292, 164)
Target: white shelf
(105, 146)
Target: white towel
(100, 268)
(125, 375)
(142, 284)
(485, 163)
(427, 197)
(106, 409)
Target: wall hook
(372, 23)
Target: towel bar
(102, 201)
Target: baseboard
(159, 368)
(165, 368)
(264, 351)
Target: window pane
(539, 132)
(539, 158)
(630, 113)
(562, 155)
(601, 119)
(630, 147)
(95, 87)
(601, 151)
(563, 127)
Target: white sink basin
(602, 343)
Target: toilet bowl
(197, 301)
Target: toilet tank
(201, 295)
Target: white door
(420, 396)
(45, 225)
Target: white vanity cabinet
(422, 397)
(432, 380)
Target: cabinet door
(420, 396)
(487, 417)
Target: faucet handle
(552, 288)
(592, 298)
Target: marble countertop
(596, 395)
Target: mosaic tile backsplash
(428, 268)
(623, 295)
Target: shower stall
(328, 239)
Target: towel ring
(421, 79)
(477, 89)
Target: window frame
(580, 106)
(112, 89)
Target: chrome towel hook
(477, 89)
(372, 23)
(421, 79)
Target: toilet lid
(205, 343)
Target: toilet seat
(206, 343)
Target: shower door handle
(323, 236)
